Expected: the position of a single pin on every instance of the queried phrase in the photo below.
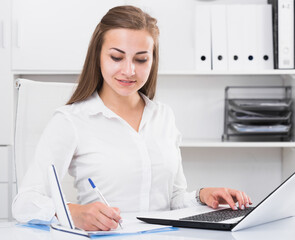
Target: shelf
(46, 72)
(216, 73)
(166, 73)
(218, 143)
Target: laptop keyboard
(218, 216)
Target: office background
(47, 40)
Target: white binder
(202, 38)
(236, 56)
(250, 36)
(219, 37)
(285, 34)
(265, 36)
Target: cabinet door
(6, 83)
(53, 34)
(4, 169)
(4, 183)
(4, 206)
(175, 19)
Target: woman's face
(126, 59)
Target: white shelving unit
(274, 72)
(217, 143)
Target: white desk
(283, 229)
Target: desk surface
(283, 229)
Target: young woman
(112, 132)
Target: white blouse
(135, 171)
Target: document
(131, 226)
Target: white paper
(130, 225)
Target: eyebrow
(121, 51)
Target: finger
(110, 212)
(241, 200)
(117, 210)
(250, 201)
(227, 196)
(246, 200)
(212, 202)
(100, 223)
(239, 196)
(89, 227)
(107, 223)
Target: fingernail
(242, 207)
(235, 208)
(247, 205)
(121, 220)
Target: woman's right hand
(95, 216)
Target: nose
(128, 68)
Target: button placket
(146, 174)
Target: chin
(126, 93)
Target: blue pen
(101, 196)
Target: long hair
(128, 17)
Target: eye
(141, 60)
(116, 59)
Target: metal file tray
(249, 116)
(260, 129)
(258, 113)
(262, 104)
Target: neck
(116, 102)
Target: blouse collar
(95, 105)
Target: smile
(126, 82)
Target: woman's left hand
(215, 196)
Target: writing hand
(95, 216)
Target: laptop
(277, 205)
(58, 198)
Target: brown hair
(129, 17)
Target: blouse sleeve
(56, 146)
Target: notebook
(131, 226)
(277, 205)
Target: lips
(126, 82)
